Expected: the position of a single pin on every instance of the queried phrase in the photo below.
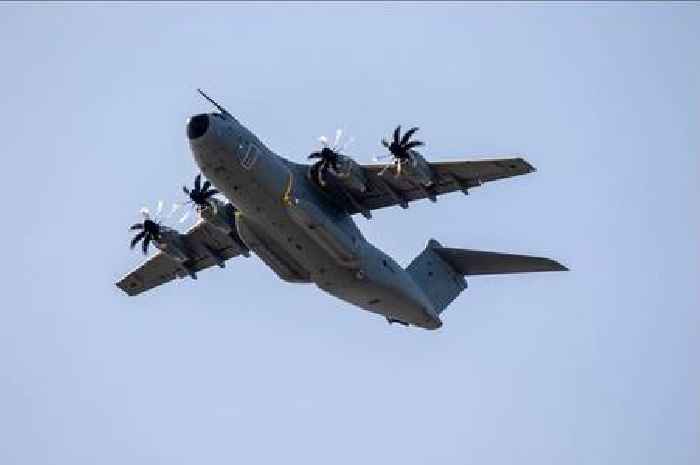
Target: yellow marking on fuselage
(287, 197)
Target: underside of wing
(157, 270)
(386, 189)
(206, 246)
(476, 172)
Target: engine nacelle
(416, 169)
(170, 242)
(343, 172)
(219, 215)
(222, 216)
(349, 174)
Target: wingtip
(553, 265)
(560, 267)
(530, 168)
(123, 285)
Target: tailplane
(440, 271)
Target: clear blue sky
(595, 366)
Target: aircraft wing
(386, 190)
(159, 269)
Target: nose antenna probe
(213, 102)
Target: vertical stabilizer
(436, 276)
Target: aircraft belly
(341, 245)
(383, 287)
(275, 255)
(390, 302)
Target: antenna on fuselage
(213, 102)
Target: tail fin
(440, 271)
(440, 281)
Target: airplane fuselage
(296, 230)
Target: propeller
(201, 193)
(329, 155)
(199, 196)
(400, 147)
(149, 231)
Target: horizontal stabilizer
(475, 262)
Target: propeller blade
(413, 143)
(397, 131)
(144, 244)
(210, 193)
(136, 227)
(206, 186)
(338, 133)
(385, 143)
(313, 155)
(319, 174)
(198, 182)
(176, 206)
(184, 217)
(136, 239)
(185, 190)
(408, 135)
(346, 144)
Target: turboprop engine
(335, 169)
(218, 214)
(341, 170)
(164, 238)
(406, 161)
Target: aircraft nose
(197, 126)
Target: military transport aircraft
(298, 220)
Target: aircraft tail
(440, 271)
